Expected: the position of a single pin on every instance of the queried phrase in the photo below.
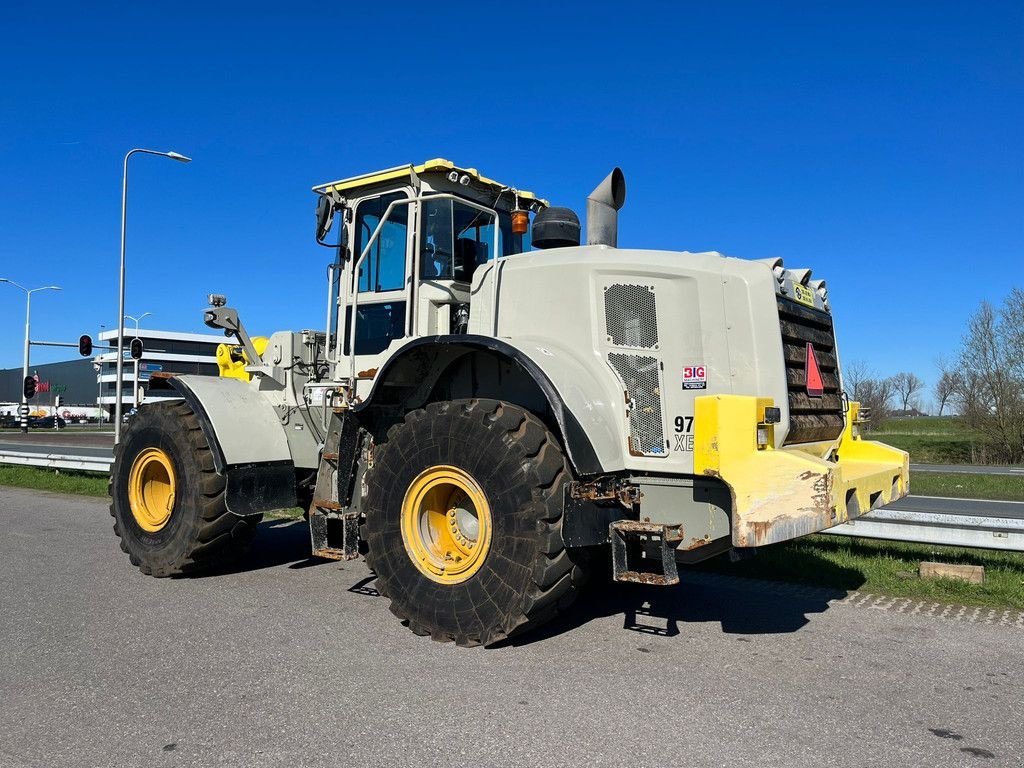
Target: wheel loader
(493, 409)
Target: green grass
(929, 439)
(964, 486)
(885, 568)
(930, 449)
(924, 425)
(85, 484)
(62, 481)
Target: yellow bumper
(786, 493)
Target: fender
(248, 444)
(438, 352)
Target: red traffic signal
(84, 345)
(30, 387)
(136, 349)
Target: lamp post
(28, 312)
(120, 305)
(137, 321)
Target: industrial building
(91, 382)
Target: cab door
(381, 282)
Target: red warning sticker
(695, 377)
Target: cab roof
(437, 165)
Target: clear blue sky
(880, 144)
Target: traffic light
(84, 345)
(30, 387)
(136, 349)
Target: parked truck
(492, 404)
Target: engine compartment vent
(631, 315)
(641, 377)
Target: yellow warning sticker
(803, 294)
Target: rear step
(633, 547)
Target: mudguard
(248, 443)
(583, 404)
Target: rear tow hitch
(644, 553)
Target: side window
(383, 269)
(456, 239)
(376, 326)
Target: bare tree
(906, 385)
(991, 393)
(876, 395)
(855, 374)
(946, 387)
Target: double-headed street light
(137, 321)
(120, 305)
(28, 312)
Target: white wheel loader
(490, 403)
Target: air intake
(641, 377)
(631, 315)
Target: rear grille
(640, 375)
(810, 418)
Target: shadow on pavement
(742, 606)
(277, 542)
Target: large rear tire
(167, 500)
(464, 522)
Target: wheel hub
(151, 489)
(446, 524)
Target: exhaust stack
(603, 206)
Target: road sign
(151, 367)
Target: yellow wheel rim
(446, 524)
(151, 485)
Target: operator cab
(409, 242)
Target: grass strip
(968, 486)
(58, 480)
(86, 484)
(884, 568)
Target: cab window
(456, 240)
(383, 269)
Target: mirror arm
(226, 318)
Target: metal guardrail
(892, 524)
(953, 530)
(56, 461)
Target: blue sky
(880, 144)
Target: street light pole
(137, 321)
(120, 305)
(28, 316)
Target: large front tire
(167, 500)
(464, 522)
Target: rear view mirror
(324, 217)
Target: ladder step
(331, 553)
(334, 506)
(334, 536)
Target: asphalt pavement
(944, 505)
(287, 661)
(969, 469)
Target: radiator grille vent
(810, 418)
(631, 316)
(640, 375)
